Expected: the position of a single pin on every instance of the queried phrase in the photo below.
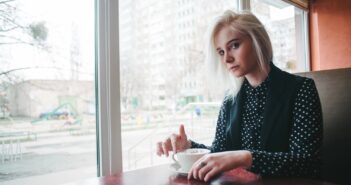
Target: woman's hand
(175, 143)
(212, 164)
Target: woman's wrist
(241, 158)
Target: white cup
(188, 157)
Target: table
(163, 175)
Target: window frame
(302, 33)
(109, 145)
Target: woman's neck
(256, 77)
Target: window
(162, 87)
(286, 26)
(47, 91)
(48, 107)
(178, 67)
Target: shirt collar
(260, 88)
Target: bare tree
(12, 32)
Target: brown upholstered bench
(334, 87)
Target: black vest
(277, 121)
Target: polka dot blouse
(306, 129)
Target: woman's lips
(234, 68)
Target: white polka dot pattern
(254, 101)
(303, 157)
(304, 143)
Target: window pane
(47, 91)
(162, 74)
(283, 22)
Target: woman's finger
(214, 171)
(159, 148)
(205, 168)
(191, 174)
(182, 131)
(158, 152)
(195, 168)
(191, 171)
(165, 149)
(174, 143)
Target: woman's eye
(221, 52)
(235, 45)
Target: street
(75, 151)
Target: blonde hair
(244, 23)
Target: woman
(270, 125)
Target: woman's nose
(228, 58)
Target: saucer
(176, 168)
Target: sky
(283, 13)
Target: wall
(330, 34)
(31, 98)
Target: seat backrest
(334, 88)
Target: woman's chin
(237, 74)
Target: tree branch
(14, 40)
(17, 40)
(12, 70)
(9, 29)
(13, 43)
(6, 18)
(6, 1)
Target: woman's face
(236, 52)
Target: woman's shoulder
(285, 84)
(296, 79)
(229, 101)
(289, 78)
(299, 86)
(301, 80)
(228, 97)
